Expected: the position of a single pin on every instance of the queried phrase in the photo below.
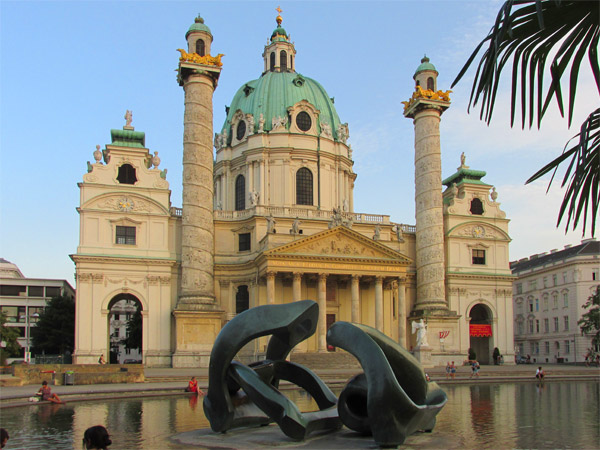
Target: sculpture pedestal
(195, 333)
(423, 355)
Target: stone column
(402, 312)
(355, 299)
(297, 287)
(322, 301)
(271, 288)
(261, 177)
(428, 203)
(197, 231)
(379, 303)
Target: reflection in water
(524, 415)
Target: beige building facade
(549, 292)
(269, 218)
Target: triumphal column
(425, 107)
(197, 315)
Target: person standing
(452, 370)
(447, 370)
(474, 369)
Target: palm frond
(582, 176)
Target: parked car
(522, 360)
(132, 361)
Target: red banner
(480, 330)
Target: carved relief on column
(379, 303)
(271, 288)
(429, 212)
(297, 286)
(322, 324)
(197, 235)
(355, 293)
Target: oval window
(241, 130)
(303, 121)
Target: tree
(54, 332)
(590, 321)
(133, 340)
(529, 32)
(8, 336)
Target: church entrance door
(480, 333)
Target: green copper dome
(279, 34)
(198, 25)
(425, 65)
(274, 92)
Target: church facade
(268, 218)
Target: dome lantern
(199, 37)
(426, 75)
(279, 54)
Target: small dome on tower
(198, 25)
(425, 65)
(279, 34)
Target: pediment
(125, 202)
(339, 243)
(478, 230)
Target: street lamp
(28, 333)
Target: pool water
(522, 415)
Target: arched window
(242, 299)
(272, 61)
(476, 207)
(304, 187)
(200, 49)
(126, 174)
(240, 193)
(283, 60)
(430, 84)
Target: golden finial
(279, 19)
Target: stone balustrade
(302, 213)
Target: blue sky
(69, 70)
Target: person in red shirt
(193, 387)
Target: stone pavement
(168, 381)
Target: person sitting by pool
(193, 387)
(46, 393)
(96, 438)
(539, 373)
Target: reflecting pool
(523, 415)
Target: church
(268, 217)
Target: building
(120, 315)
(268, 217)
(23, 299)
(548, 294)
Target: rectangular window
(52, 292)
(520, 327)
(564, 277)
(546, 304)
(554, 280)
(530, 305)
(244, 242)
(555, 298)
(537, 326)
(556, 324)
(11, 312)
(116, 317)
(595, 275)
(546, 326)
(545, 282)
(36, 291)
(547, 347)
(519, 288)
(533, 285)
(566, 320)
(530, 326)
(117, 333)
(125, 235)
(567, 347)
(537, 304)
(478, 256)
(12, 291)
(537, 348)
(566, 299)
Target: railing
(301, 213)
